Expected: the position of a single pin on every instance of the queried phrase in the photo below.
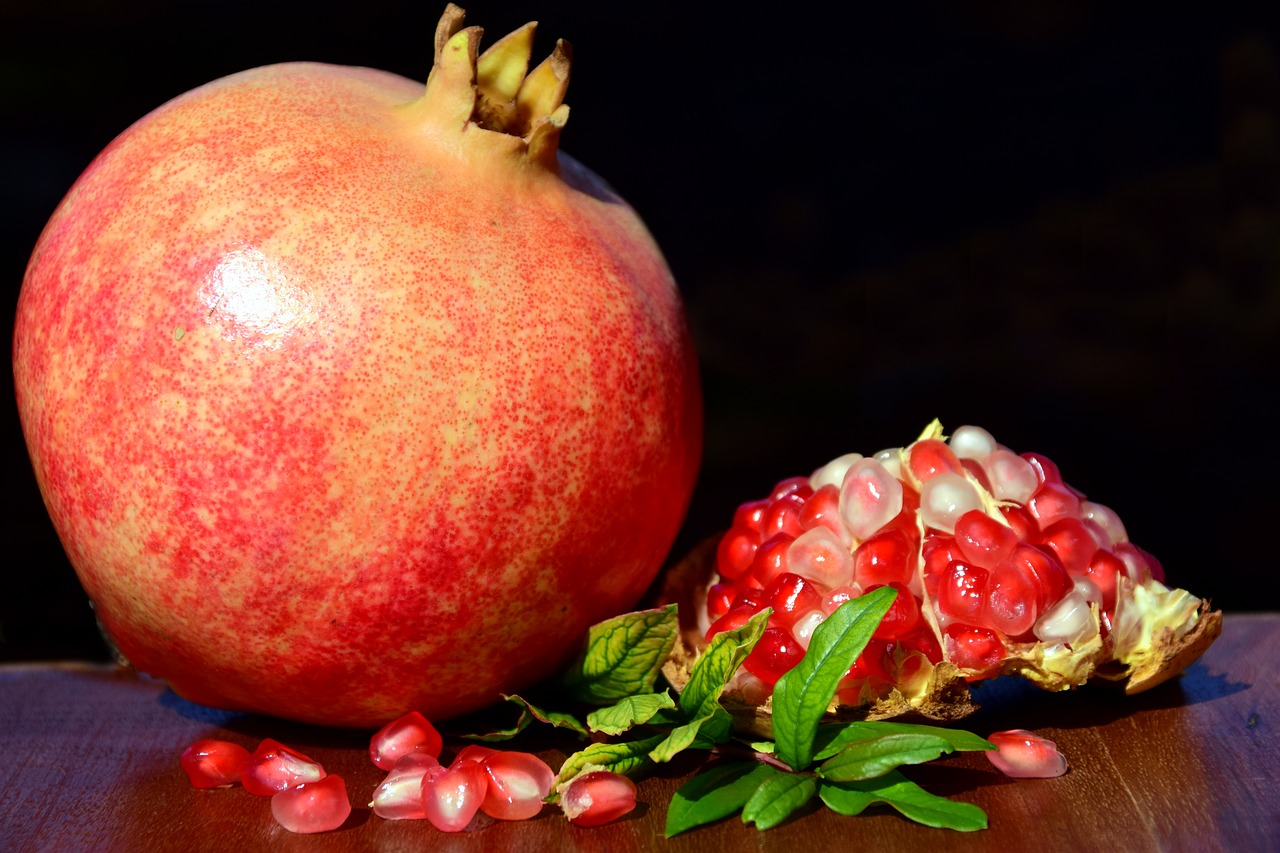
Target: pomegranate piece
(211, 763)
(597, 797)
(399, 796)
(312, 806)
(776, 652)
(410, 733)
(518, 783)
(1025, 755)
(274, 767)
(451, 796)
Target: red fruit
(597, 797)
(1025, 755)
(312, 806)
(211, 763)
(318, 365)
(410, 733)
(451, 796)
(274, 767)
(1000, 567)
(518, 783)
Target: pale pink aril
(399, 795)
(973, 442)
(451, 796)
(804, 626)
(598, 797)
(944, 498)
(409, 733)
(310, 807)
(1012, 478)
(213, 763)
(518, 784)
(832, 474)
(274, 767)
(1069, 621)
(1106, 518)
(821, 557)
(1053, 501)
(870, 498)
(1023, 754)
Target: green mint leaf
(717, 664)
(623, 656)
(801, 696)
(701, 732)
(558, 719)
(629, 712)
(777, 798)
(624, 758)
(715, 793)
(912, 801)
(832, 739)
(876, 757)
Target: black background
(1058, 220)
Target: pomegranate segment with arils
(211, 763)
(1001, 566)
(312, 806)
(1025, 755)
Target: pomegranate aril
(1011, 600)
(822, 509)
(473, 752)
(839, 596)
(719, 599)
(888, 557)
(518, 783)
(1138, 564)
(771, 560)
(902, 617)
(736, 552)
(1051, 579)
(869, 498)
(1025, 755)
(984, 541)
(783, 516)
(972, 647)
(930, 457)
(1012, 478)
(938, 552)
(1070, 621)
(212, 763)
(399, 795)
(775, 653)
(737, 616)
(1104, 570)
(309, 807)
(274, 767)
(451, 796)
(1021, 522)
(1051, 502)
(803, 626)
(1106, 518)
(962, 592)
(791, 595)
(1046, 470)
(410, 733)
(750, 515)
(798, 486)
(944, 499)
(832, 474)
(1072, 542)
(819, 556)
(973, 442)
(976, 473)
(597, 797)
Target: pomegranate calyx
(494, 91)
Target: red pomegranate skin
(341, 410)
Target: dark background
(1058, 220)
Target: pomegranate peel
(1137, 636)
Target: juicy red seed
(962, 591)
(1104, 569)
(736, 551)
(938, 553)
(822, 509)
(1046, 470)
(1012, 596)
(399, 795)
(791, 595)
(318, 806)
(751, 515)
(771, 560)
(518, 783)
(410, 733)
(875, 662)
(973, 648)
(1023, 524)
(774, 655)
(1072, 542)
(930, 457)
(888, 557)
(976, 471)
(798, 486)
(984, 541)
(751, 596)
(924, 641)
(1051, 579)
(211, 763)
(597, 798)
(719, 599)
(274, 767)
(783, 516)
(452, 796)
(902, 617)
(1053, 501)
(737, 616)
(1025, 755)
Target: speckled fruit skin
(338, 417)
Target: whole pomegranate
(349, 397)
(1000, 567)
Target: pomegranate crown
(494, 91)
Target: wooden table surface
(88, 761)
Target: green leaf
(623, 656)
(715, 793)
(628, 713)
(624, 758)
(777, 798)
(832, 739)
(801, 696)
(717, 664)
(876, 757)
(894, 789)
(559, 719)
(701, 732)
